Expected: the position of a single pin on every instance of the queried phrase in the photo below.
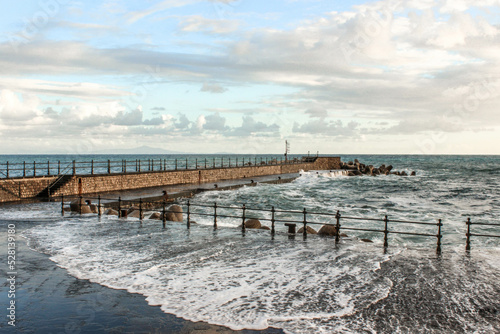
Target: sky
(243, 76)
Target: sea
(255, 280)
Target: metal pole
(34, 168)
(80, 199)
(243, 219)
(188, 214)
(109, 167)
(24, 168)
(205, 163)
(92, 167)
(99, 205)
(337, 229)
(215, 215)
(140, 209)
(62, 205)
(139, 165)
(186, 163)
(439, 236)
(272, 220)
(48, 168)
(304, 233)
(74, 167)
(164, 216)
(467, 245)
(175, 164)
(119, 207)
(7, 169)
(386, 232)
(196, 161)
(214, 163)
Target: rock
(329, 230)
(343, 235)
(75, 205)
(111, 212)
(356, 161)
(350, 174)
(155, 215)
(177, 210)
(389, 168)
(357, 172)
(413, 173)
(375, 172)
(94, 208)
(132, 208)
(309, 230)
(264, 227)
(135, 214)
(171, 216)
(366, 240)
(403, 173)
(253, 223)
(350, 163)
(86, 209)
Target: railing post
(188, 215)
(229, 163)
(24, 168)
(236, 162)
(186, 163)
(34, 168)
(48, 168)
(213, 164)
(222, 162)
(205, 163)
(196, 163)
(119, 207)
(175, 164)
(7, 169)
(272, 220)
(109, 167)
(386, 232)
(337, 229)
(74, 167)
(80, 199)
(123, 168)
(164, 216)
(62, 205)
(215, 215)
(304, 233)
(467, 244)
(243, 219)
(139, 165)
(439, 236)
(92, 167)
(99, 205)
(58, 167)
(140, 209)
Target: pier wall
(16, 189)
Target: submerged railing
(286, 218)
(48, 168)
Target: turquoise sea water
(306, 286)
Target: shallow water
(312, 285)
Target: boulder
(135, 214)
(330, 230)
(155, 215)
(356, 161)
(264, 227)
(171, 217)
(343, 235)
(111, 212)
(357, 172)
(94, 208)
(403, 173)
(350, 174)
(366, 240)
(132, 208)
(253, 223)
(375, 172)
(413, 173)
(350, 163)
(86, 209)
(309, 230)
(75, 205)
(389, 168)
(177, 210)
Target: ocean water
(311, 285)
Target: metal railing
(34, 169)
(292, 218)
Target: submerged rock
(329, 230)
(309, 230)
(253, 223)
(155, 215)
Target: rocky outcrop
(357, 169)
(177, 211)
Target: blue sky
(388, 77)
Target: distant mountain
(139, 150)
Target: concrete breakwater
(17, 189)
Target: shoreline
(49, 299)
